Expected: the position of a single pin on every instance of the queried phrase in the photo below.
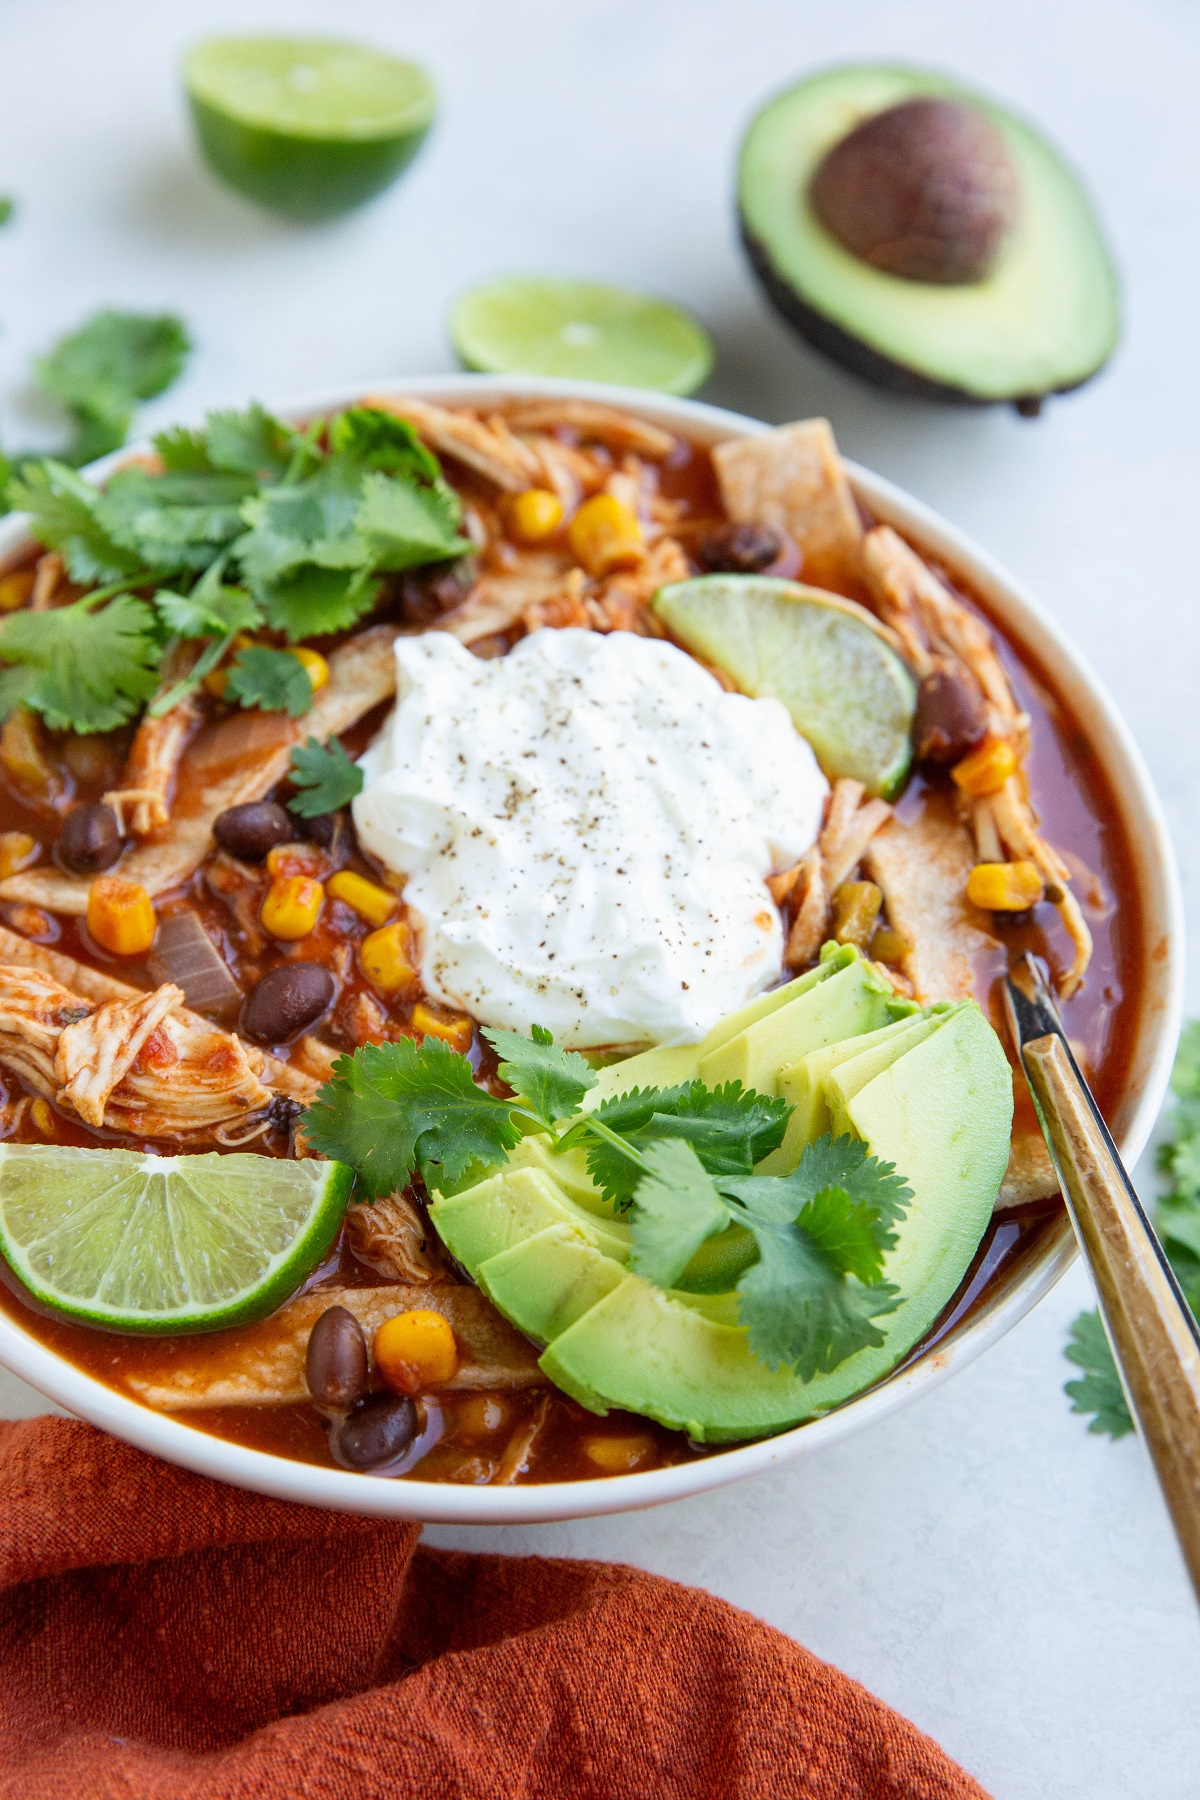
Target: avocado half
(1043, 321)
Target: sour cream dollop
(585, 826)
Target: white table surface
(980, 1562)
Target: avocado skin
(861, 360)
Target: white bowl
(1150, 1066)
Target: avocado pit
(925, 190)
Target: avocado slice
(546, 1282)
(1042, 321)
(942, 1112)
(852, 1000)
(803, 1083)
(668, 1065)
(510, 1207)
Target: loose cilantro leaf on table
(679, 1158)
(84, 667)
(325, 778)
(551, 1081)
(7, 208)
(274, 680)
(1177, 1221)
(102, 371)
(1098, 1390)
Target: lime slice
(307, 126)
(135, 1242)
(848, 692)
(581, 330)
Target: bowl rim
(171, 1438)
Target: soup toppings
(595, 855)
(295, 990)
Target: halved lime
(581, 330)
(307, 126)
(134, 1242)
(848, 692)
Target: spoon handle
(1153, 1333)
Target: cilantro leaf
(1098, 1391)
(800, 1309)
(314, 602)
(7, 207)
(273, 680)
(103, 370)
(393, 1108)
(173, 522)
(404, 526)
(62, 516)
(83, 669)
(844, 1163)
(551, 1081)
(211, 609)
(325, 777)
(730, 1128)
(251, 443)
(676, 1207)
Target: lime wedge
(848, 692)
(307, 126)
(581, 330)
(134, 1242)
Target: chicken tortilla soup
(500, 914)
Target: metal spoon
(1154, 1336)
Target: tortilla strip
(1030, 1173)
(89, 984)
(593, 419)
(793, 478)
(257, 749)
(263, 1364)
(500, 459)
(922, 867)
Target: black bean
(950, 718)
(248, 832)
(286, 1002)
(330, 830)
(89, 841)
(376, 1432)
(740, 549)
(335, 1366)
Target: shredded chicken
(263, 1365)
(850, 824)
(608, 425)
(496, 455)
(937, 629)
(48, 579)
(792, 478)
(141, 801)
(117, 1057)
(499, 602)
(391, 1237)
(622, 602)
(238, 760)
(519, 1448)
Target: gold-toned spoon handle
(1150, 1324)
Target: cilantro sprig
(324, 777)
(679, 1160)
(1098, 1392)
(246, 522)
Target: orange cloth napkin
(163, 1637)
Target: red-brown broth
(1080, 816)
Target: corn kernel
(617, 1455)
(478, 1415)
(415, 1351)
(17, 851)
(534, 515)
(371, 902)
(387, 958)
(987, 769)
(315, 666)
(292, 907)
(42, 1115)
(120, 916)
(856, 907)
(453, 1029)
(1005, 887)
(605, 534)
(15, 589)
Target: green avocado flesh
(931, 1093)
(823, 658)
(1044, 320)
